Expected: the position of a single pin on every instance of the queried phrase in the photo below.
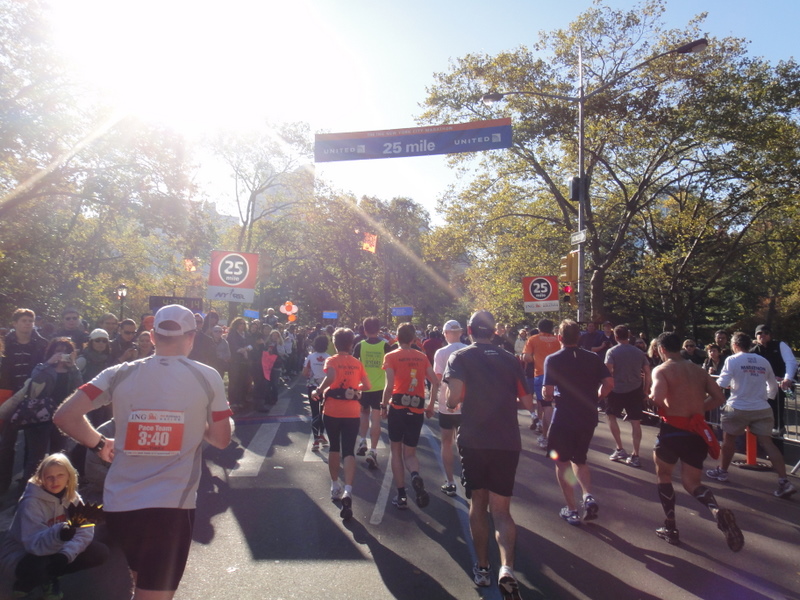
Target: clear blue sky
(340, 65)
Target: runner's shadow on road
(213, 494)
(537, 555)
(690, 576)
(403, 579)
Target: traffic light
(572, 266)
(567, 293)
(569, 268)
(563, 273)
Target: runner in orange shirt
(406, 371)
(537, 348)
(345, 377)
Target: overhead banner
(540, 294)
(414, 141)
(402, 311)
(232, 277)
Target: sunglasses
(99, 341)
(128, 332)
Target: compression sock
(414, 474)
(666, 493)
(401, 491)
(706, 497)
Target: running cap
(452, 325)
(763, 329)
(481, 324)
(98, 334)
(174, 320)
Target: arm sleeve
(772, 383)
(790, 360)
(38, 538)
(724, 379)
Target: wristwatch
(100, 445)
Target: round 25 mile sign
(540, 294)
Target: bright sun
(201, 66)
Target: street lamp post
(122, 291)
(583, 184)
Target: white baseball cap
(452, 325)
(174, 320)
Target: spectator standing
(51, 382)
(239, 374)
(24, 349)
(144, 345)
(123, 348)
(109, 323)
(203, 349)
(591, 338)
(72, 327)
(222, 351)
(692, 353)
(96, 356)
(751, 381)
(784, 365)
(606, 340)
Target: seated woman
(42, 545)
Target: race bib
(154, 433)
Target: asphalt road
(266, 529)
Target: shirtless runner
(683, 392)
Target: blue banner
(402, 311)
(414, 141)
(329, 314)
(251, 314)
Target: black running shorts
(447, 421)
(565, 443)
(632, 402)
(492, 470)
(371, 400)
(405, 426)
(155, 542)
(342, 433)
(673, 444)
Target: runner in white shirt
(164, 406)
(449, 420)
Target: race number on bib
(154, 433)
